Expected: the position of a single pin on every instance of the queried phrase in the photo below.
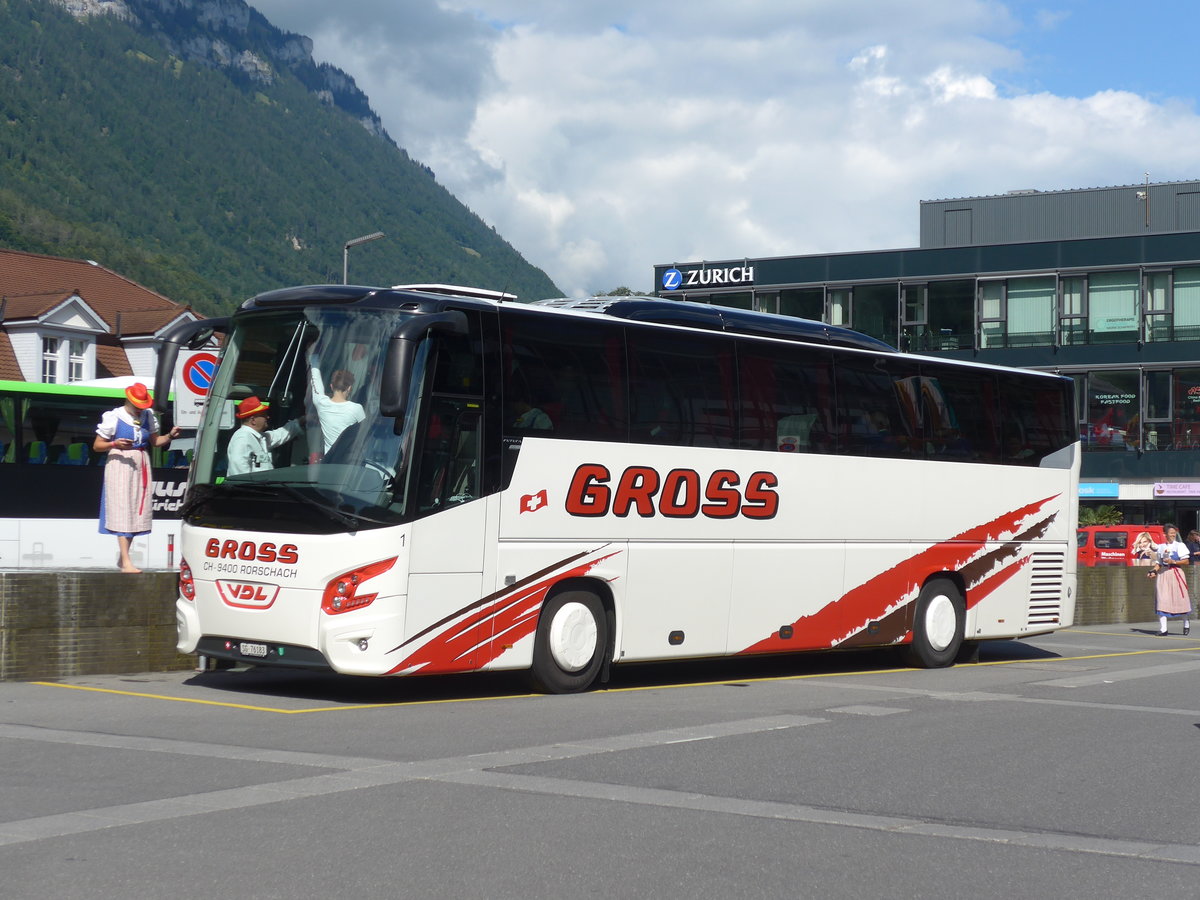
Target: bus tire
(938, 625)
(568, 650)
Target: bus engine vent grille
(1046, 588)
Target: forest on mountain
(208, 185)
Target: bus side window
(449, 467)
(76, 454)
(570, 372)
(464, 464)
(681, 389)
(1037, 420)
(786, 397)
(8, 422)
(877, 407)
(963, 409)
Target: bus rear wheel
(938, 625)
(568, 649)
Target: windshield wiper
(349, 520)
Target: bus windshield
(292, 431)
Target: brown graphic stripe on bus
(975, 572)
(507, 589)
(891, 629)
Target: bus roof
(354, 293)
(457, 290)
(721, 318)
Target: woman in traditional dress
(127, 501)
(1171, 599)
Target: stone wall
(1113, 594)
(61, 624)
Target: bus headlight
(342, 593)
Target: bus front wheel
(568, 649)
(938, 625)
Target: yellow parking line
(81, 687)
(275, 709)
(1192, 645)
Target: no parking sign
(194, 373)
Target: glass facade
(1185, 304)
(1112, 419)
(809, 303)
(995, 312)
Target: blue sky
(601, 137)
(1078, 47)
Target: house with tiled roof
(65, 320)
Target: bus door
(449, 534)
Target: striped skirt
(126, 503)
(1171, 593)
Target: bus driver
(251, 445)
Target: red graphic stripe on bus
(484, 632)
(981, 591)
(877, 598)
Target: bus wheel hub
(573, 637)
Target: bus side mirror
(402, 350)
(192, 335)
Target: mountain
(194, 147)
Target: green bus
(51, 479)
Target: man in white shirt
(251, 445)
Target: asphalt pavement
(1063, 765)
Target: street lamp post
(354, 242)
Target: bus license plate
(252, 649)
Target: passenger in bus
(529, 417)
(251, 445)
(126, 502)
(336, 411)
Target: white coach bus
(567, 485)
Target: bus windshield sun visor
(193, 336)
(402, 349)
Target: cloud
(1049, 20)
(423, 67)
(601, 138)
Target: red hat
(138, 396)
(251, 406)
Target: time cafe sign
(1177, 489)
